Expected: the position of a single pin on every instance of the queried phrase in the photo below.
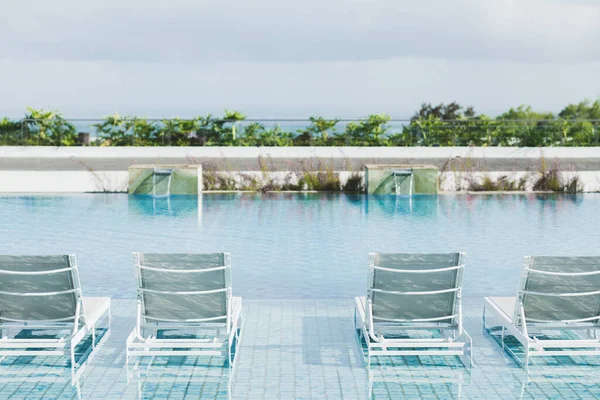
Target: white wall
(63, 181)
(8, 152)
(117, 181)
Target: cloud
(335, 89)
(269, 58)
(271, 31)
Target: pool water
(298, 260)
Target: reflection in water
(182, 377)
(474, 203)
(417, 205)
(411, 379)
(319, 203)
(42, 373)
(34, 203)
(175, 206)
(559, 381)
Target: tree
(368, 132)
(449, 112)
(10, 132)
(524, 127)
(320, 132)
(583, 110)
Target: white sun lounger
(409, 293)
(185, 292)
(41, 294)
(556, 295)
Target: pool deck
(300, 349)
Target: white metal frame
(8, 376)
(74, 328)
(141, 377)
(456, 341)
(525, 330)
(219, 345)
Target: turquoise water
(298, 260)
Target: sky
(293, 59)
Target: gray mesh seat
(43, 293)
(410, 293)
(559, 294)
(189, 294)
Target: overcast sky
(278, 58)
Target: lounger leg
(369, 384)
(467, 357)
(128, 342)
(484, 326)
(72, 356)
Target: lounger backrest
(183, 287)
(560, 289)
(38, 288)
(415, 287)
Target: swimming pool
(298, 260)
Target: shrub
(354, 184)
(503, 184)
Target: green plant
(550, 179)
(320, 132)
(177, 132)
(573, 185)
(354, 184)
(47, 128)
(369, 132)
(440, 125)
(321, 180)
(114, 131)
(218, 131)
(504, 183)
(217, 180)
(10, 132)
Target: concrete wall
(98, 169)
(288, 158)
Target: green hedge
(443, 125)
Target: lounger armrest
(94, 308)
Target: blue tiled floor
(299, 349)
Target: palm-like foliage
(575, 125)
